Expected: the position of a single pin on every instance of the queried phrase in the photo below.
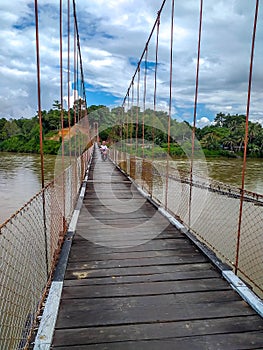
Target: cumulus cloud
(202, 122)
(112, 36)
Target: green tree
(10, 129)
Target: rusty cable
(62, 108)
(146, 45)
(74, 93)
(127, 120)
(155, 79)
(69, 121)
(144, 95)
(132, 112)
(79, 51)
(195, 105)
(41, 136)
(170, 103)
(138, 104)
(246, 135)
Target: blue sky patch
(150, 64)
(99, 97)
(26, 21)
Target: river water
(20, 180)
(20, 177)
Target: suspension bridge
(131, 253)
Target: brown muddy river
(20, 177)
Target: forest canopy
(224, 137)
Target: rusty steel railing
(214, 211)
(30, 243)
(31, 239)
(227, 219)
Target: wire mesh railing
(30, 242)
(209, 209)
(226, 219)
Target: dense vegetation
(22, 135)
(225, 137)
(227, 133)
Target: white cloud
(202, 122)
(112, 36)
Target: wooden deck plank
(143, 309)
(145, 288)
(155, 331)
(181, 258)
(108, 278)
(133, 281)
(180, 248)
(127, 255)
(143, 271)
(226, 341)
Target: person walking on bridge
(104, 150)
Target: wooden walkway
(135, 282)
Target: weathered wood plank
(165, 235)
(89, 252)
(179, 259)
(120, 239)
(108, 278)
(172, 238)
(134, 271)
(135, 282)
(122, 195)
(227, 341)
(80, 253)
(138, 309)
(145, 288)
(144, 331)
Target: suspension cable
(132, 103)
(170, 104)
(146, 45)
(62, 111)
(155, 78)
(197, 76)
(156, 62)
(144, 95)
(127, 119)
(69, 121)
(75, 87)
(41, 136)
(79, 104)
(137, 110)
(246, 135)
(195, 106)
(79, 52)
(75, 106)
(39, 96)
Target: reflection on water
(20, 176)
(230, 172)
(20, 180)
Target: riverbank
(20, 176)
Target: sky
(112, 36)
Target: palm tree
(254, 129)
